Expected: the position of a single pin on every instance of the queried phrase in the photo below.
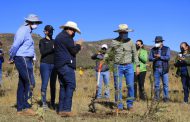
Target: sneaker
(44, 106)
(66, 114)
(29, 112)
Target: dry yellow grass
(174, 111)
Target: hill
(83, 58)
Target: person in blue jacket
(22, 53)
(65, 63)
(160, 56)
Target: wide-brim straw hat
(72, 25)
(123, 28)
(33, 18)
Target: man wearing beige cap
(123, 53)
(65, 63)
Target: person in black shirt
(47, 70)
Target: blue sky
(97, 19)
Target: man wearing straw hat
(65, 63)
(22, 53)
(124, 54)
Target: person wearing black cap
(47, 71)
(160, 56)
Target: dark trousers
(185, 79)
(140, 79)
(67, 81)
(26, 80)
(53, 80)
(46, 71)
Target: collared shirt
(23, 44)
(124, 52)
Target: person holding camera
(160, 56)
(183, 68)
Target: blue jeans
(185, 79)
(128, 72)
(158, 73)
(67, 81)
(45, 71)
(26, 79)
(104, 76)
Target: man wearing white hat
(102, 73)
(123, 53)
(22, 53)
(65, 63)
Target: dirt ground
(149, 111)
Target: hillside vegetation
(83, 58)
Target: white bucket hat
(33, 18)
(72, 25)
(124, 28)
(104, 46)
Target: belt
(124, 64)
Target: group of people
(58, 58)
(130, 60)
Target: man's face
(103, 50)
(158, 44)
(71, 32)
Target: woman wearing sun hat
(22, 53)
(65, 63)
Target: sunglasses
(72, 29)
